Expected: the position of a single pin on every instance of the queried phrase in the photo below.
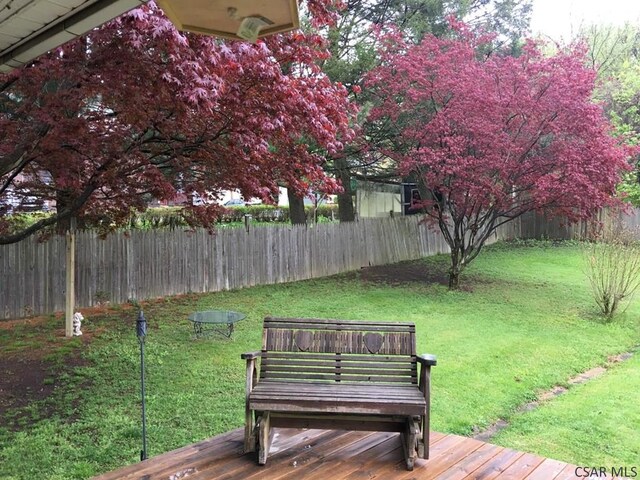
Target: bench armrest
(427, 359)
(252, 379)
(250, 355)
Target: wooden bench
(341, 375)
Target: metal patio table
(219, 321)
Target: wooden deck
(331, 455)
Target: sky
(561, 19)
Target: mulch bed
(401, 274)
(410, 273)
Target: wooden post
(70, 297)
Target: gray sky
(562, 19)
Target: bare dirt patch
(35, 355)
(40, 320)
(402, 274)
(22, 381)
(32, 321)
(31, 373)
(410, 273)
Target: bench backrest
(320, 350)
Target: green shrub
(172, 217)
(612, 265)
(270, 213)
(19, 221)
(161, 217)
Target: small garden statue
(77, 323)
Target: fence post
(70, 293)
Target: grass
(528, 324)
(596, 423)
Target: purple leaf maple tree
(136, 110)
(488, 137)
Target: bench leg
(249, 433)
(423, 443)
(423, 437)
(425, 387)
(264, 434)
(410, 442)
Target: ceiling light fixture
(233, 19)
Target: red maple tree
(488, 137)
(137, 110)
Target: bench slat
(262, 395)
(272, 363)
(304, 356)
(365, 409)
(367, 327)
(322, 404)
(322, 323)
(332, 377)
(337, 369)
(368, 394)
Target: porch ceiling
(29, 28)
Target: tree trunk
(346, 213)
(456, 269)
(63, 200)
(454, 279)
(296, 208)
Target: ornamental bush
(612, 265)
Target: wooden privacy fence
(149, 264)
(542, 227)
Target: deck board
(547, 470)
(342, 455)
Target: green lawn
(526, 325)
(596, 423)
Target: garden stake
(141, 331)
